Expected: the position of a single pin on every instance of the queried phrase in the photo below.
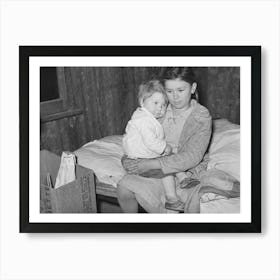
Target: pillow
(224, 149)
(104, 157)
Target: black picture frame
(254, 52)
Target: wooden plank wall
(108, 96)
(219, 89)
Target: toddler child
(144, 136)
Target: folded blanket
(216, 182)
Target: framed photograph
(110, 134)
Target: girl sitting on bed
(145, 137)
(187, 125)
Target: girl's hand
(140, 166)
(130, 165)
(143, 166)
(135, 166)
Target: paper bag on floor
(66, 172)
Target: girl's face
(179, 93)
(155, 104)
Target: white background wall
(139, 256)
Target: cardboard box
(78, 196)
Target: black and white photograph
(128, 135)
(141, 113)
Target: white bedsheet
(224, 205)
(104, 157)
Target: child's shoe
(176, 205)
(188, 183)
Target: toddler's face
(156, 105)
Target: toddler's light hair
(147, 89)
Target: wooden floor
(106, 207)
(110, 205)
(107, 204)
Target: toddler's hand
(167, 150)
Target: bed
(103, 156)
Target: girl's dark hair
(183, 73)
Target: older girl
(187, 127)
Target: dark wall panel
(223, 93)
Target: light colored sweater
(144, 136)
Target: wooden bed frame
(108, 193)
(105, 189)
